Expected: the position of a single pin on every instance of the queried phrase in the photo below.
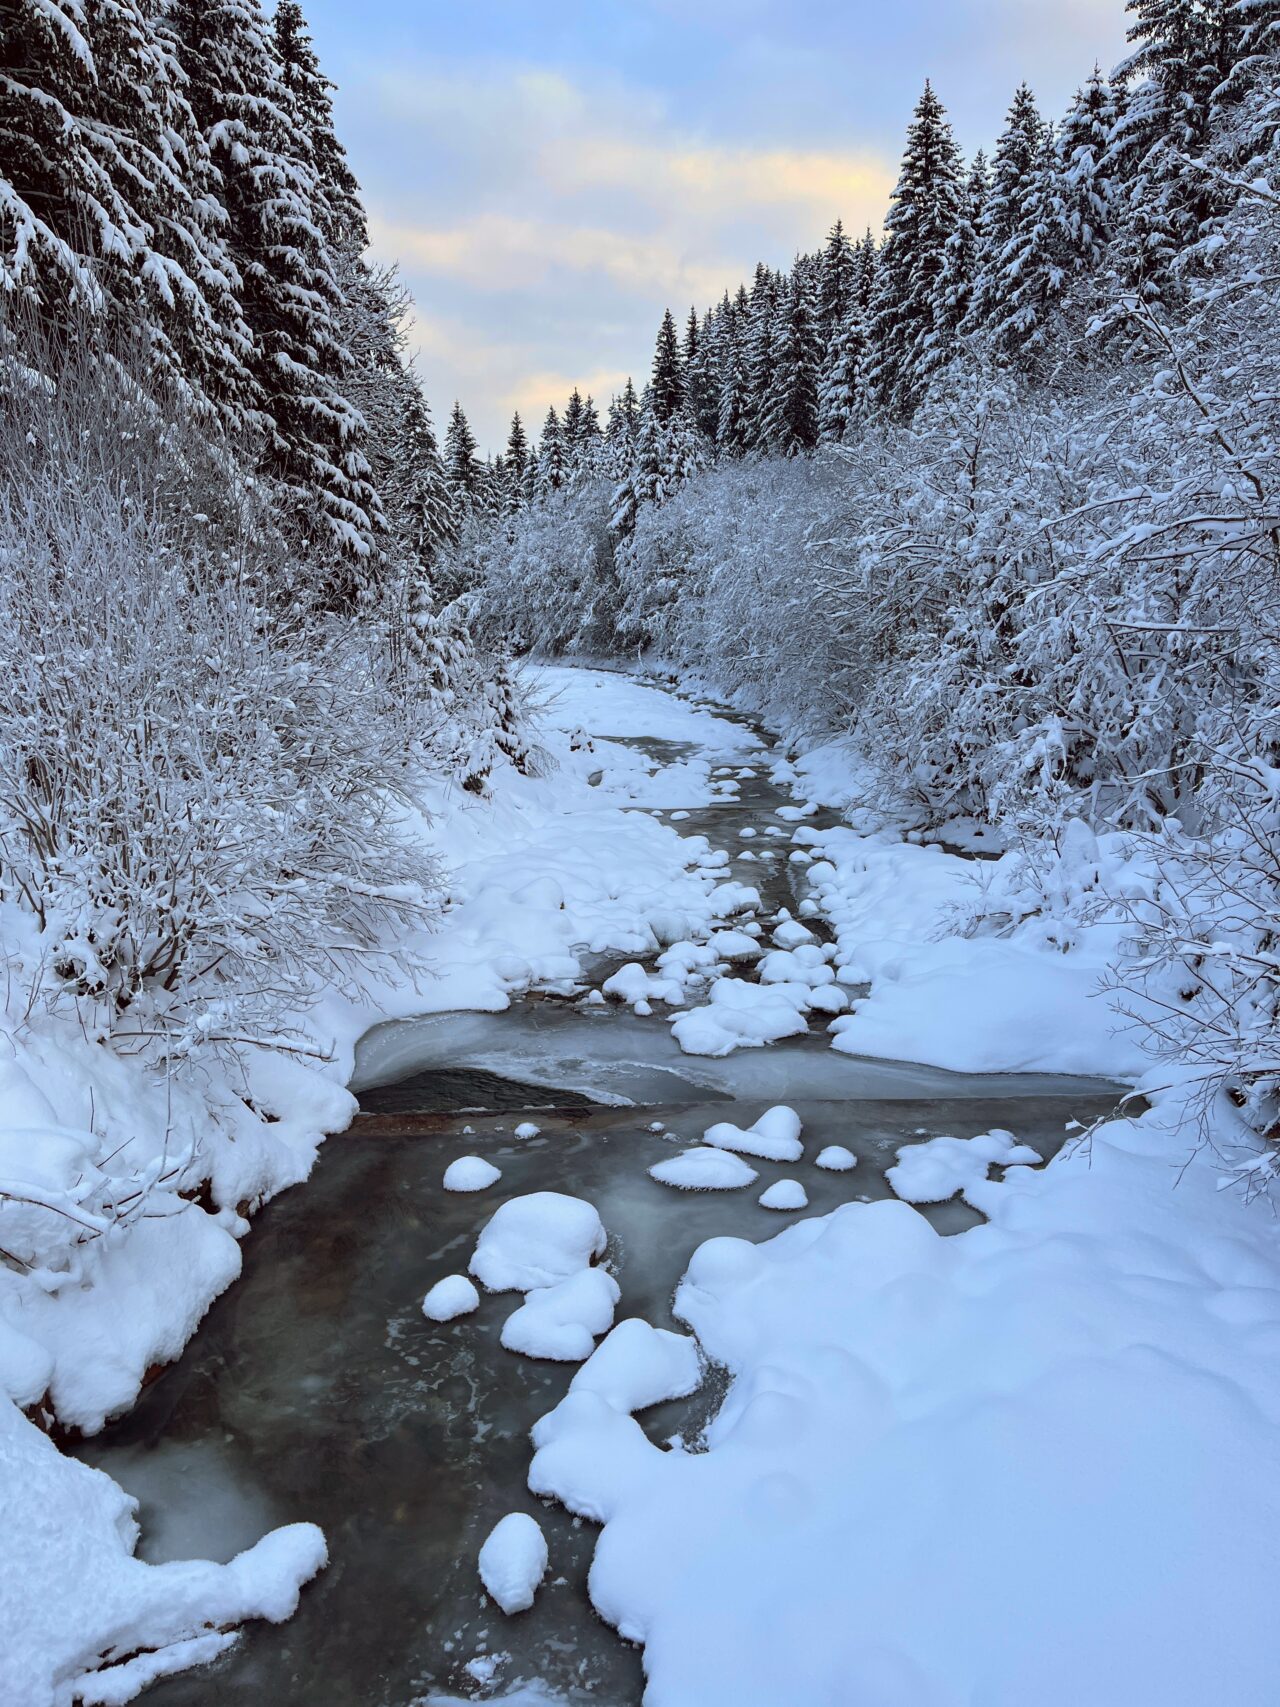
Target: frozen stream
(316, 1390)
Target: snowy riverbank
(547, 870)
(1069, 1404)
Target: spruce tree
(903, 345)
(345, 225)
(571, 426)
(517, 462)
(841, 382)
(789, 424)
(837, 282)
(1013, 170)
(553, 456)
(758, 353)
(108, 195)
(667, 385)
(462, 467)
(276, 214)
(419, 507)
(960, 260)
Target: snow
(513, 1561)
(75, 1603)
(527, 1129)
(536, 1240)
(775, 1136)
(804, 965)
(632, 983)
(784, 1194)
(940, 1168)
(1030, 999)
(703, 1170)
(637, 1365)
(562, 1322)
(790, 933)
(836, 1158)
(1075, 1404)
(470, 1173)
(742, 1015)
(451, 1297)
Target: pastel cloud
(601, 216)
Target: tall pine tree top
(926, 205)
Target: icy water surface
(316, 1390)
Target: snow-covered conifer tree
(276, 215)
(789, 424)
(667, 385)
(462, 467)
(903, 349)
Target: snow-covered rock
(470, 1173)
(836, 1159)
(940, 1167)
(775, 1136)
(742, 1015)
(784, 1194)
(527, 1129)
(513, 1561)
(537, 1240)
(562, 1322)
(704, 1170)
(453, 1296)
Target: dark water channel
(316, 1390)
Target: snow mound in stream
(775, 1136)
(451, 1297)
(513, 1561)
(703, 1170)
(470, 1173)
(836, 1159)
(741, 1015)
(561, 1322)
(785, 1194)
(1078, 1398)
(537, 1240)
(936, 1170)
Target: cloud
(547, 222)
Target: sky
(549, 177)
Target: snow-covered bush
(199, 790)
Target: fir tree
(553, 457)
(789, 424)
(903, 347)
(462, 468)
(276, 214)
(837, 282)
(667, 385)
(1013, 170)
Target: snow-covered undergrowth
(125, 1189)
(1031, 1462)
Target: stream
(316, 1390)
